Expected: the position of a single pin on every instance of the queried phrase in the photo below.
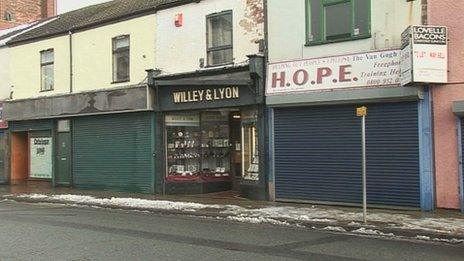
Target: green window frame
(317, 26)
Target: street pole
(364, 169)
(362, 112)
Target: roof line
(107, 21)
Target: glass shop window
(198, 147)
(250, 159)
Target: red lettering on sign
(298, 80)
(322, 73)
(275, 79)
(343, 72)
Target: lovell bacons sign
(381, 68)
(424, 55)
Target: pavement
(439, 226)
(31, 231)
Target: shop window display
(198, 147)
(250, 159)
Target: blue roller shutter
(113, 152)
(318, 154)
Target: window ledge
(338, 40)
(120, 81)
(218, 65)
(47, 90)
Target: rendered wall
(25, 67)
(179, 49)
(445, 132)
(4, 73)
(92, 52)
(92, 59)
(287, 31)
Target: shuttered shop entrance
(113, 152)
(318, 154)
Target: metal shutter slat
(113, 152)
(318, 154)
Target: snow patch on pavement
(258, 220)
(336, 229)
(278, 215)
(451, 226)
(122, 202)
(373, 232)
(423, 238)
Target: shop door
(63, 159)
(318, 154)
(2, 158)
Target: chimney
(48, 8)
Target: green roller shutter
(114, 152)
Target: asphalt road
(53, 232)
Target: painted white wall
(5, 83)
(92, 59)
(287, 30)
(25, 74)
(178, 49)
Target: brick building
(16, 12)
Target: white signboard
(428, 55)
(381, 68)
(406, 57)
(41, 158)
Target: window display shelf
(198, 147)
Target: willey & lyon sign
(213, 94)
(380, 68)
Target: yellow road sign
(361, 111)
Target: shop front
(100, 140)
(317, 151)
(211, 131)
(32, 151)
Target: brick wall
(24, 11)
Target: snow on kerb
(283, 215)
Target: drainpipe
(70, 33)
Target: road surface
(57, 232)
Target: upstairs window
(337, 20)
(47, 60)
(219, 38)
(121, 59)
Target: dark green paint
(16, 126)
(114, 152)
(320, 37)
(63, 165)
